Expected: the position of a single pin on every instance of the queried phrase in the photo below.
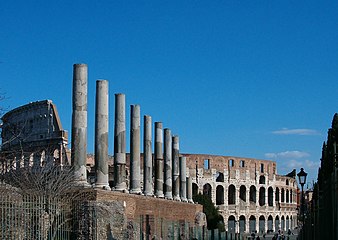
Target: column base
(102, 186)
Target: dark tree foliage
(214, 219)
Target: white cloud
(287, 155)
(298, 131)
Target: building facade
(249, 193)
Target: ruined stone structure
(250, 194)
(32, 135)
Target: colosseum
(249, 193)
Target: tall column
(101, 135)
(135, 159)
(147, 158)
(158, 160)
(189, 187)
(176, 171)
(79, 123)
(120, 143)
(183, 179)
(167, 164)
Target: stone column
(79, 123)
(176, 170)
(167, 164)
(147, 158)
(189, 187)
(135, 158)
(158, 160)
(183, 179)
(101, 135)
(120, 143)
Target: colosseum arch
(252, 194)
(220, 177)
(252, 223)
(219, 195)
(207, 190)
(277, 195)
(261, 224)
(270, 196)
(231, 195)
(282, 195)
(276, 223)
(270, 223)
(242, 226)
(242, 193)
(262, 196)
(231, 224)
(262, 180)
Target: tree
(214, 219)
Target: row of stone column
(171, 179)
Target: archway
(270, 223)
(262, 196)
(252, 194)
(242, 193)
(290, 195)
(287, 195)
(252, 224)
(270, 196)
(276, 223)
(231, 195)
(261, 180)
(207, 190)
(231, 224)
(283, 223)
(220, 177)
(287, 223)
(242, 227)
(219, 195)
(282, 195)
(262, 224)
(277, 195)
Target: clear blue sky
(237, 78)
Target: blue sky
(237, 78)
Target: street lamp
(302, 180)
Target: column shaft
(147, 158)
(183, 179)
(135, 159)
(158, 160)
(176, 171)
(79, 122)
(101, 135)
(120, 143)
(167, 164)
(189, 187)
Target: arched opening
(290, 195)
(194, 189)
(277, 195)
(231, 195)
(252, 224)
(270, 196)
(242, 226)
(287, 195)
(276, 223)
(282, 195)
(283, 223)
(262, 196)
(287, 225)
(270, 223)
(261, 180)
(253, 194)
(287, 182)
(262, 224)
(220, 177)
(231, 224)
(291, 223)
(242, 193)
(219, 195)
(207, 190)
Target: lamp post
(302, 180)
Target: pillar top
(80, 64)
